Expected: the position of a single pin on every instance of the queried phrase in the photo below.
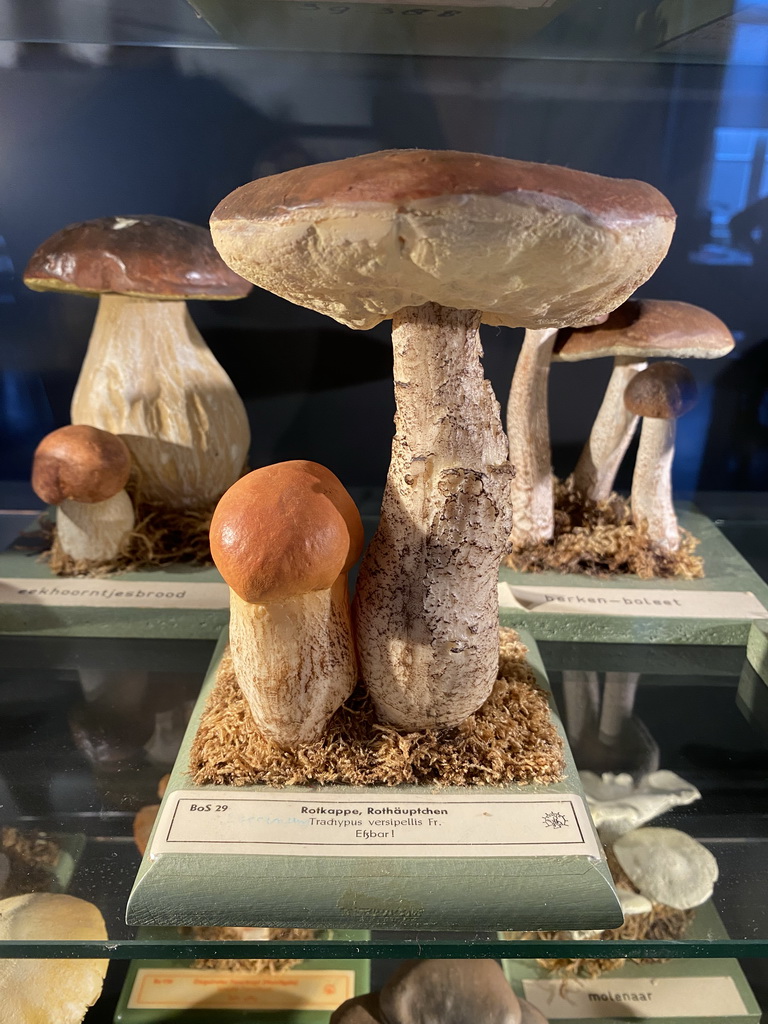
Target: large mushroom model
(148, 375)
(660, 394)
(639, 330)
(284, 538)
(439, 241)
(83, 471)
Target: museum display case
(128, 110)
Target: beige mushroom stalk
(284, 538)
(438, 241)
(638, 330)
(660, 394)
(83, 471)
(148, 375)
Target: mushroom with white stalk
(83, 471)
(148, 375)
(660, 394)
(439, 241)
(640, 329)
(284, 538)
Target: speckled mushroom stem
(532, 497)
(294, 660)
(149, 377)
(581, 690)
(611, 433)
(94, 531)
(652, 483)
(426, 604)
(618, 701)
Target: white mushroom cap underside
(524, 259)
(667, 866)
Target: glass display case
(119, 107)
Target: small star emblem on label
(554, 819)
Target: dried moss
(256, 966)
(31, 859)
(600, 539)
(511, 738)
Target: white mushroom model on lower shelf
(440, 241)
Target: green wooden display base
(661, 991)
(182, 602)
(478, 874)
(752, 694)
(625, 609)
(160, 991)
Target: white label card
(636, 997)
(222, 821)
(633, 602)
(113, 592)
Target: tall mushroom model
(148, 375)
(638, 330)
(438, 241)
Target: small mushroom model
(36, 991)
(284, 538)
(439, 241)
(660, 394)
(640, 329)
(441, 992)
(148, 375)
(668, 866)
(83, 471)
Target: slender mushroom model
(638, 330)
(148, 375)
(84, 470)
(284, 538)
(660, 394)
(438, 241)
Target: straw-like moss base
(31, 858)
(257, 966)
(600, 539)
(511, 738)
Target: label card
(636, 997)
(633, 602)
(184, 988)
(114, 592)
(374, 825)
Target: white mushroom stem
(581, 691)
(611, 433)
(294, 660)
(149, 376)
(94, 532)
(652, 483)
(426, 604)
(618, 702)
(533, 517)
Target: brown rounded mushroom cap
(285, 530)
(664, 391)
(80, 463)
(145, 257)
(449, 991)
(648, 328)
(360, 1010)
(530, 245)
(143, 823)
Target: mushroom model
(84, 470)
(438, 241)
(148, 375)
(660, 394)
(284, 538)
(638, 330)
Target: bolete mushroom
(83, 471)
(640, 329)
(660, 394)
(284, 538)
(148, 375)
(49, 991)
(438, 241)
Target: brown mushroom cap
(143, 256)
(285, 530)
(664, 391)
(648, 328)
(449, 991)
(360, 1010)
(528, 244)
(80, 463)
